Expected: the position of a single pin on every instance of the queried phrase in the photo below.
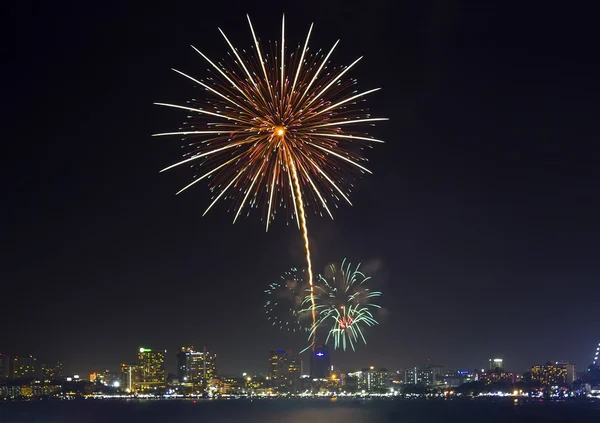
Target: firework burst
(344, 305)
(276, 130)
(283, 306)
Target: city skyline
(479, 223)
(186, 360)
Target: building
(496, 376)
(183, 363)
(571, 371)
(495, 364)
(129, 377)
(320, 363)
(438, 372)
(196, 368)
(278, 374)
(454, 378)
(4, 367)
(100, 377)
(256, 384)
(425, 376)
(366, 379)
(420, 376)
(383, 379)
(295, 373)
(51, 371)
(151, 369)
(24, 367)
(410, 376)
(549, 375)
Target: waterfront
(299, 411)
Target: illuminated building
(438, 371)
(495, 364)
(4, 367)
(454, 378)
(571, 371)
(256, 384)
(278, 373)
(203, 367)
(10, 391)
(52, 371)
(294, 373)
(425, 376)
(320, 363)
(102, 377)
(129, 377)
(196, 368)
(410, 376)
(230, 386)
(383, 379)
(24, 367)
(151, 369)
(334, 382)
(419, 376)
(549, 375)
(496, 376)
(183, 363)
(366, 379)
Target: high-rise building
(52, 371)
(196, 368)
(571, 371)
(24, 367)
(425, 376)
(151, 368)
(295, 373)
(129, 377)
(366, 379)
(419, 376)
(495, 364)
(410, 376)
(279, 371)
(320, 363)
(183, 363)
(4, 367)
(549, 375)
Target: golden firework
(277, 130)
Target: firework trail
(284, 302)
(274, 131)
(344, 304)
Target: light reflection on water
(297, 411)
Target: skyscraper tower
(320, 362)
(278, 373)
(151, 368)
(129, 377)
(196, 367)
(184, 363)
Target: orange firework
(274, 131)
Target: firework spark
(284, 302)
(276, 130)
(344, 304)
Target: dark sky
(481, 217)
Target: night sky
(480, 223)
